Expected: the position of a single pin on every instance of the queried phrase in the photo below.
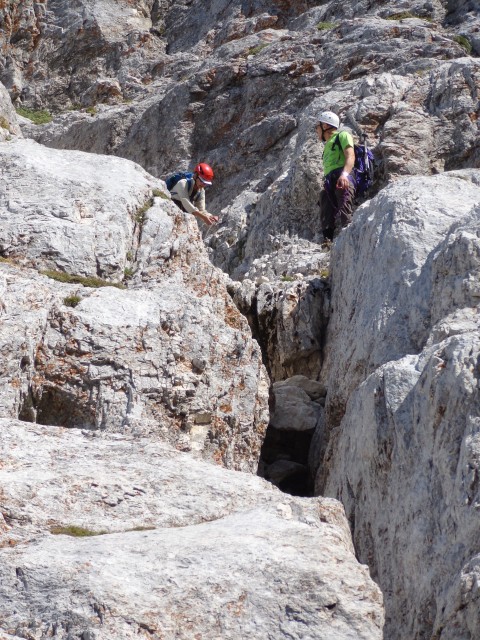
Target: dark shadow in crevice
(56, 407)
(284, 461)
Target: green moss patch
(37, 117)
(159, 194)
(254, 50)
(326, 26)
(75, 531)
(465, 43)
(71, 301)
(88, 281)
(140, 215)
(401, 16)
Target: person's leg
(345, 202)
(327, 214)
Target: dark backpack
(364, 166)
(172, 180)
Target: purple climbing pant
(336, 205)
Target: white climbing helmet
(328, 117)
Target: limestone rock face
(80, 53)
(388, 289)
(171, 355)
(8, 118)
(241, 85)
(408, 476)
(289, 321)
(72, 211)
(139, 360)
(403, 454)
(186, 549)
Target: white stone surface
(71, 211)
(143, 360)
(389, 285)
(404, 348)
(228, 556)
(171, 356)
(244, 88)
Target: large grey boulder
(141, 361)
(388, 290)
(72, 211)
(186, 549)
(170, 356)
(407, 468)
(294, 407)
(402, 407)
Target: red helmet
(205, 172)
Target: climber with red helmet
(188, 191)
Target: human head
(330, 118)
(204, 173)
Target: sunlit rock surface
(402, 405)
(184, 549)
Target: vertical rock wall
(402, 404)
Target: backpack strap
(336, 142)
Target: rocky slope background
(116, 400)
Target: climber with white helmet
(188, 191)
(338, 194)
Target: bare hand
(207, 217)
(343, 182)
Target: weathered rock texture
(246, 98)
(289, 321)
(8, 118)
(187, 550)
(240, 84)
(171, 355)
(82, 52)
(72, 211)
(403, 356)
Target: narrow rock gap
(284, 456)
(284, 461)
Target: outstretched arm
(208, 218)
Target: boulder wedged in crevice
(296, 422)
